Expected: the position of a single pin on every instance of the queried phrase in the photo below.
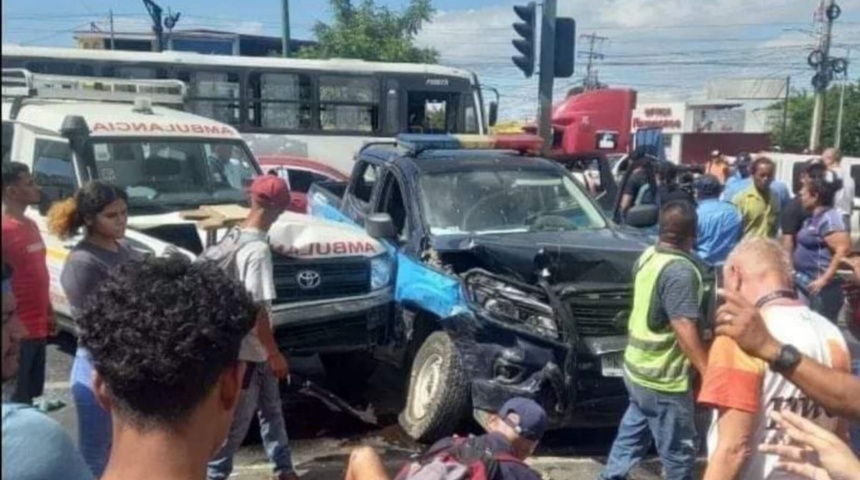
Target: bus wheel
(438, 395)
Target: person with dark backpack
(512, 435)
(244, 253)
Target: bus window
(60, 68)
(432, 112)
(280, 101)
(349, 104)
(213, 95)
(134, 72)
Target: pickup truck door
(416, 283)
(361, 192)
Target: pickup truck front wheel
(438, 396)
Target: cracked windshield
(506, 202)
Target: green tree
(370, 32)
(800, 108)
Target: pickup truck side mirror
(380, 226)
(643, 216)
(494, 113)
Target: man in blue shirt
(35, 447)
(720, 225)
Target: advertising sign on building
(669, 117)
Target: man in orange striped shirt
(744, 390)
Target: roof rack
(20, 83)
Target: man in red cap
(269, 198)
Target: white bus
(323, 110)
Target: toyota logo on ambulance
(308, 279)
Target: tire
(438, 395)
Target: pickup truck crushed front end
(555, 333)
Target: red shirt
(24, 251)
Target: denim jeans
(261, 393)
(828, 302)
(668, 418)
(94, 422)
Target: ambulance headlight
(380, 272)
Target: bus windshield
(173, 174)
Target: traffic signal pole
(547, 73)
(820, 93)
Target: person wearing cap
(514, 430)
(792, 218)
(720, 225)
(269, 198)
(166, 335)
(663, 343)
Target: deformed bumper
(338, 325)
(573, 393)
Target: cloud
(666, 49)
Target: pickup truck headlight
(380, 272)
(507, 303)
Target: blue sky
(666, 49)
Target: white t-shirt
(254, 262)
(734, 380)
(843, 201)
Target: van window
(52, 165)
(301, 180)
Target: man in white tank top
(742, 389)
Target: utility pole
(155, 13)
(824, 38)
(784, 139)
(547, 73)
(841, 115)
(285, 41)
(112, 45)
(595, 44)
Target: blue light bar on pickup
(417, 142)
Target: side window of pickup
(365, 180)
(392, 202)
(53, 169)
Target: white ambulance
(70, 130)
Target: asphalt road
(321, 439)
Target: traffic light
(526, 29)
(565, 40)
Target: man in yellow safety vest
(663, 342)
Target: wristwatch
(788, 358)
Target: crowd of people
(176, 356)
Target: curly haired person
(167, 338)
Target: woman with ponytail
(101, 210)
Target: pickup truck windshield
(167, 174)
(505, 201)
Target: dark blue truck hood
(598, 256)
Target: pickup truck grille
(595, 313)
(337, 278)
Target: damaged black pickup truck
(510, 281)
